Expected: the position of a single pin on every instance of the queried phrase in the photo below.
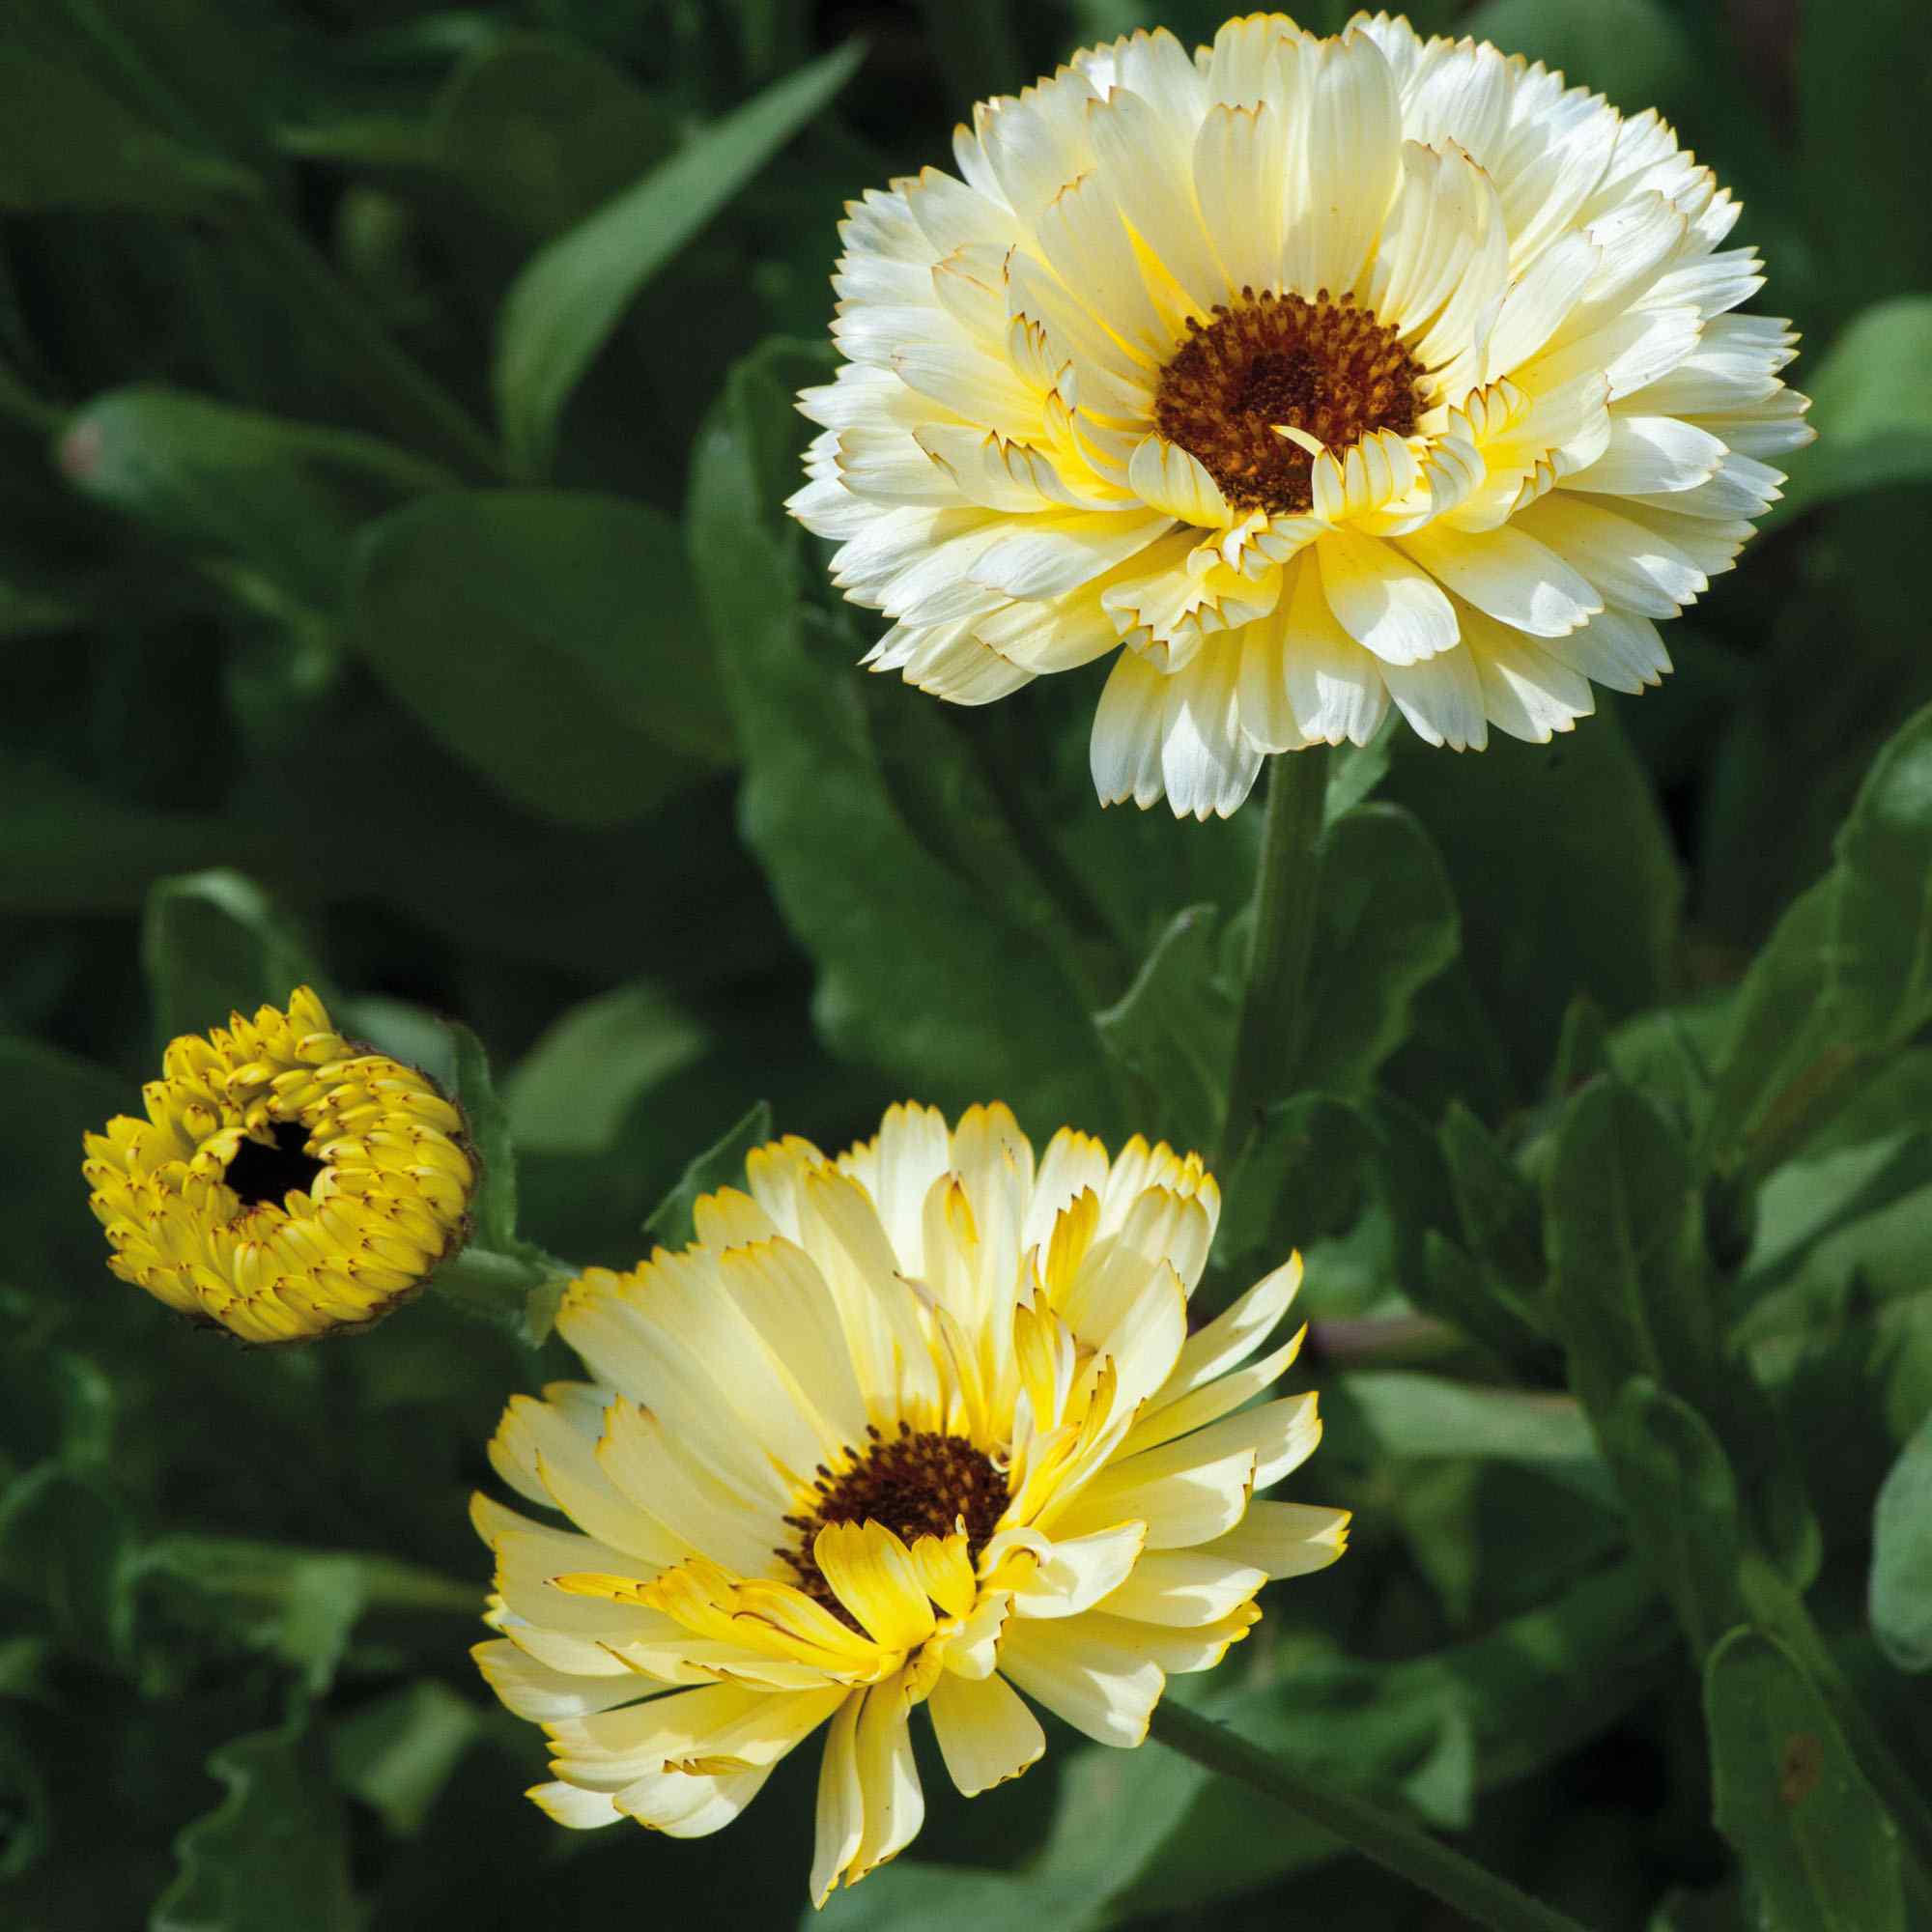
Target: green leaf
(1629, 1293)
(1301, 1176)
(1871, 405)
(1845, 980)
(1388, 926)
(1683, 1502)
(541, 131)
(572, 1092)
(286, 499)
(67, 847)
(1175, 1029)
(914, 976)
(211, 945)
(719, 1165)
(1630, 50)
(53, 1243)
(63, 1540)
(1501, 1215)
(66, 142)
(397, 1753)
(563, 306)
(1631, 1297)
(1822, 1852)
(548, 640)
(492, 1211)
(1901, 1564)
(1392, 1414)
(273, 1855)
(1570, 828)
(1455, 1287)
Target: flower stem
(1287, 882)
(1480, 1896)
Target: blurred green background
(395, 411)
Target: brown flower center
(261, 1174)
(1324, 367)
(916, 1483)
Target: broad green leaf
(541, 131)
(63, 1542)
(67, 847)
(1822, 1852)
(1501, 1215)
(1455, 1287)
(273, 1855)
(1388, 926)
(212, 944)
(721, 1165)
(285, 499)
(1580, 1048)
(550, 641)
(1151, 1832)
(1631, 1295)
(1901, 1564)
(397, 1753)
(66, 142)
(572, 1090)
(1541, 841)
(1846, 978)
(26, 1809)
(54, 1246)
(1175, 1029)
(1393, 1415)
(1871, 405)
(1683, 1504)
(1632, 50)
(1303, 1176)
(492, 1211)
(915, 975)
(1859, 122)
(1355, 771)
(570, 296)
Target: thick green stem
(1398, 1847)
(1287, 884)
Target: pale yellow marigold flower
(287, 1183)
(921, 1425)
(1306, 374)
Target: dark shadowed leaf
(721, 1165)
(550, 641)
(568, 299)
(1901, 1571)
(211, 943)
(1822, 1854)
(273, 1855)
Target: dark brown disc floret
(1325, 367)
(916, 1483)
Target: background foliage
(393, 420)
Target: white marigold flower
(1307, 374)
(916, 1426)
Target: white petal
(1335, 687)
(1616, 649)
(1076, 1573)
(1651, 454)
(1168, 478)
(1208, 767)
(840, 1817)
(1344, 146)
(1285, 1539)
(1507, 573)
(1631, 565)
(1100, 1687)
(1125, 751)
(1442, 700)
(1382, 600)
(1185, 1587)
(986, 1735)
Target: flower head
(1307, 375)
(286, 1183)
(916, 1426)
